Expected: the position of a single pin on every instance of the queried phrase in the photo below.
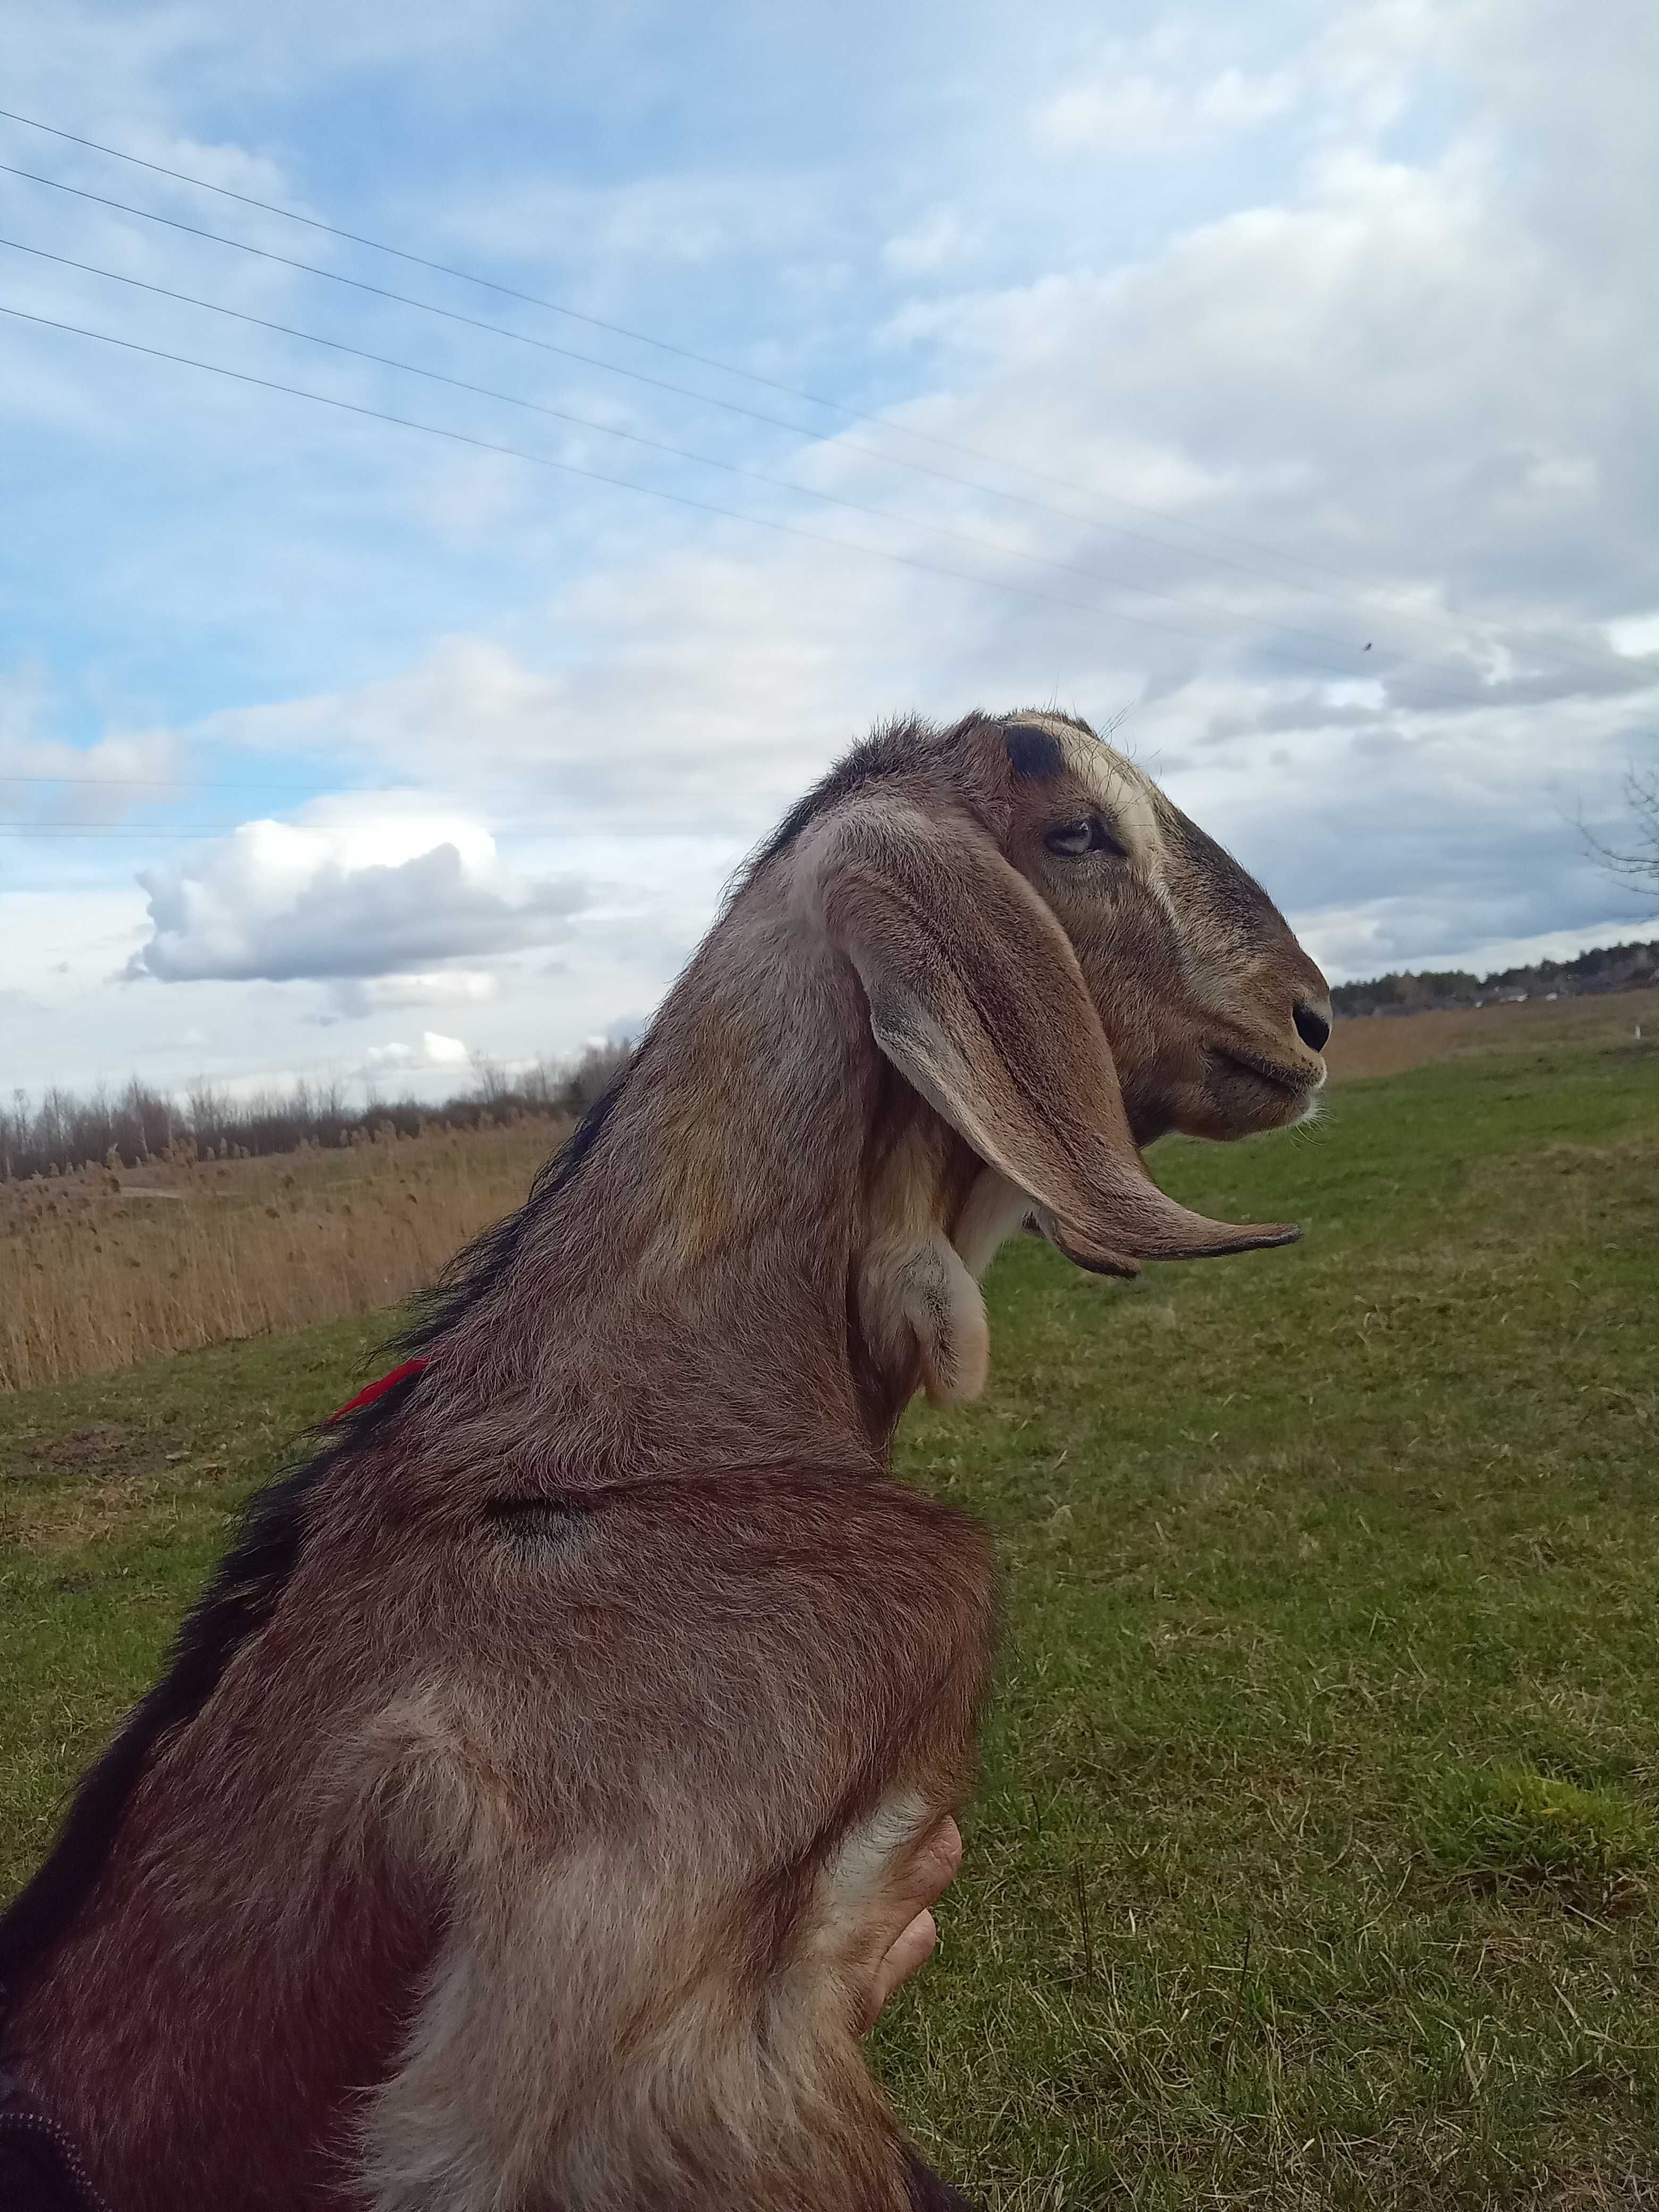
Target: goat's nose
(1312, 1027)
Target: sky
(1278, 386)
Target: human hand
(903, 1934)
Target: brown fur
(510, 1857)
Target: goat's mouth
(1266, 1089)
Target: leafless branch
(1636, 860)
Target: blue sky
(333, 746)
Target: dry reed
(102, 1269)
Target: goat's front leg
(585, 2049)
(914, 1881)
(692, 1795)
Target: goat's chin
(1247, 1097)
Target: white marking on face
(1126, 795)
(1129, 800)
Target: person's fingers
(928, 1873)
(912, 1951)
(906, 1933)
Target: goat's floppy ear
(976, 997)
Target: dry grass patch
(103, 1268)
(1389, 1044)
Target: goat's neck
(762, 1258)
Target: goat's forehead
(1126, 793)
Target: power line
(465, 275)
(72, 832)
(1355, 672)
(723, 367)
(641, 337)
(149, 782)
(683, 454)
(730, 406)
(73, 829)
(14, 827)
(794, 391)
(171, 783)
(453, 315)
(634, 375)
(653, 491)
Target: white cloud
(1359, 341)
(356, 997)
(704, 688)
(1127, 109)
(46, 781)
(342, 900)
(434, 1051)
(1636, 635)
(688, 220)
(940, 240)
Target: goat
(502, 1830)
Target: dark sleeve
(39, 2169)
(928, 2193)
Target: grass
(1316, 1857)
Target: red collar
(375, 1390)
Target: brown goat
(502, 1831)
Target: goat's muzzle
(1254, 1090)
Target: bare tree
(1635, 858)
(491, 1078)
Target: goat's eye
(1070, 840)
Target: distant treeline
(1609, 967)
(66, 1130)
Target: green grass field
(1316, 1860)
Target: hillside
(1606, 967)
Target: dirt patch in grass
(62, 1519)
(99, 1441)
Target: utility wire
(1353, 670)
(644, 338)
(634, 375)
(174, 783)
(653, 491)
(469, 277)
(1376, 615)
(794, 391)
(703, 460)
(70, 829)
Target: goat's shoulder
(770, 1544)
(785, 1629)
